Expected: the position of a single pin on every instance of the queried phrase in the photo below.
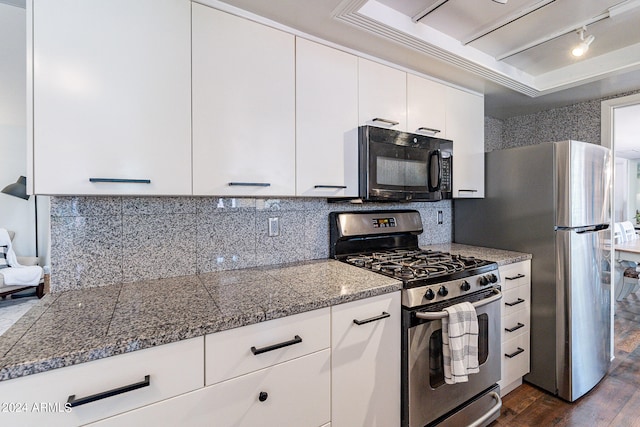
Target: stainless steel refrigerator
(552, 200)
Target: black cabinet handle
(384, 315)
(263, 396)
(250, 184)
(121, 180)
(380, 119)
(295, 340)
(515, 328)
(515, 353)
(432, 130)
(516, 302)
(519, 276)
(339, 187)
(73, 402)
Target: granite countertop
(499, 256)
(73, 327)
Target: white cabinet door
(170, 369)
(365, 374)
(516, 319)
(426, 106)
(326, 121)
(465, 126)
(243, 107)
(238, 351)
(112, 96)
(382, 94)
(290, 394)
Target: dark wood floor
(615, 401)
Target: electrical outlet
(440, 218)
(274, 227)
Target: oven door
(399, 166)
(426, 396)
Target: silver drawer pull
(384, 315)
(391, 122)
(73, 402)
(436, 315)
(490, 413)
(121, 180)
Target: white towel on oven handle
(460, 343)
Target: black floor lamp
(19, 189)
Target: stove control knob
(483, 280)
(430, 294)
(493, 278)
(443, 291)
(465, 286)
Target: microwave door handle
(435, 172)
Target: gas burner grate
(414, 264)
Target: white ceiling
(445, 45)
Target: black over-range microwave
(402, 166)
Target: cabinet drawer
(514, 275)
(172, 369)
(517, 322)
(231, 353)
(517, 365)
(515, 299)
(297, 395)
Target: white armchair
(11, 289)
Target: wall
(15, 214)
(97, 241)
(580, 121)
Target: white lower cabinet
(239, 351)
(290, 394)
(337, 366)
(516, 318)
(365, 362)
(158, 373)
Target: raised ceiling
(522, 44)
(522, 63)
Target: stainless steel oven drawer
(478, 412)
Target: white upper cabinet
(382, 93)
(111, 96)
(243, 106)
(326, 121)
(465, 126)
(426, 106)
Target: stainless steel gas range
(387, 242)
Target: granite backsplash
(97, 241)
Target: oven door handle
(490, 413)
(436, 315)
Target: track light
(501, 1)
(583, 47)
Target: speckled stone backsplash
(98, 241)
